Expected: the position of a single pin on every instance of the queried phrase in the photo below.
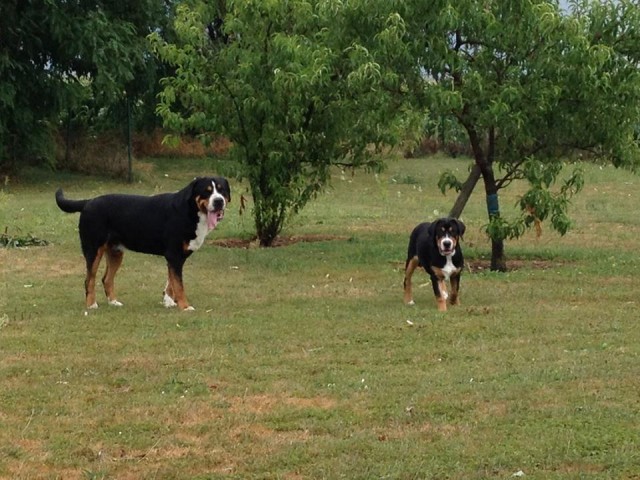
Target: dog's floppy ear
(431, 230)
(196, 186)
(183, 197)
(225, 189)
(461, 227)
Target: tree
(297, 86)
(59, 58)
(530, 86)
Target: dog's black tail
(69, 206)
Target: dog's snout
(447, 244)
(218, 203)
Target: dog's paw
(168, 302)
(93, 306)
(115, 303)
(189, 309)
(411, 303)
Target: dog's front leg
(175, 287)
(440, 291)
(454, 298)
(168, 297)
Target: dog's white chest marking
(201, 232)
(449, 268)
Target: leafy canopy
(297, 87)
(53, 56)
(532, 85)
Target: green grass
(302, 361)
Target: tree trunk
(268, 224)
(484, 163)
(498, 260)
(465, 191)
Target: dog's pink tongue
(212, 219)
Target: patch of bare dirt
(479, 266)
(474, 266)
(281, 241)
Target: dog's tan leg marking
(454, 298)
(442, 285)
(169, 290)
(408, 273)
(114, 260)
(442, 304)
(442, 294)
(442, 299)
(168, 299)
(90, 280)
(177, 289)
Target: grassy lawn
(301, 362)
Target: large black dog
(173, 225)
(436, 247)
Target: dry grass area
(108, 153)
(152, 144)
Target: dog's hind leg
(410, 266)
(114, 260)
(93, 262)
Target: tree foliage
(304, 85)
(59, 59)
(530, 85)
(297, 86)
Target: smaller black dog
(436, 247)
